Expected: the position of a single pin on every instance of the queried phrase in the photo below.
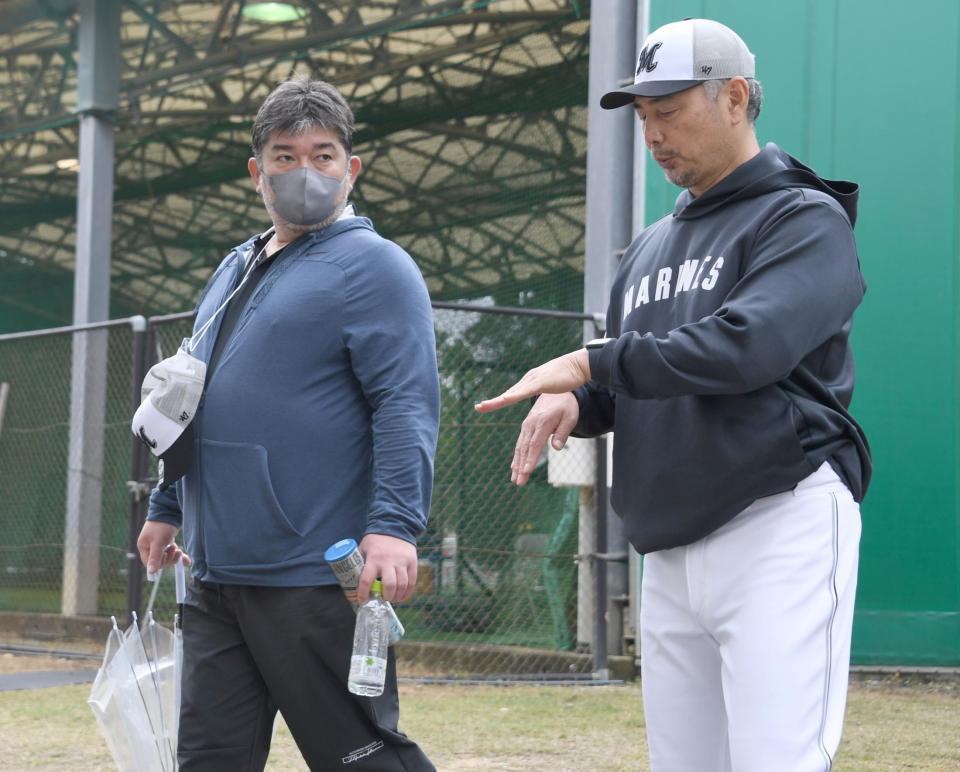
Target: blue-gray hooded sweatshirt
(320, 420)
(730, 374)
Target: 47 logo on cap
(645, 59)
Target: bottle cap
(376, 587)
(339, 550)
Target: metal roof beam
(181, 45)
(205, 70)
(239, 57)
(504, 95)
(19, 13)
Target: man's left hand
(394, 561)
(557, 376)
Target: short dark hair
(298, 105)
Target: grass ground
(894, 724)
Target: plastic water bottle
(368, 664)
(346, 560)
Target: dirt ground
(893, 722)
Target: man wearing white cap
(302, 412)
(727, 377)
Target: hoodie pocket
(243, 522)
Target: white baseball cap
(170, 392)
(681, 55)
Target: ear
(354, 165)
(254, 170)
(737, 96)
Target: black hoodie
(730, 371)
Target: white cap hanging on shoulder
(171, 393)
(681, 55)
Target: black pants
(249, 651)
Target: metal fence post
(98, 67)
(4, 394)
(609, 199)
(139, 490)
(599, 643)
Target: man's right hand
(156, 546)
(551, 414)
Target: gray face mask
(304, 196)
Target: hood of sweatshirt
(771, 169)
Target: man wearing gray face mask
(318, 423)
(304, 199)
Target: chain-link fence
(498, 572)
(42, 484)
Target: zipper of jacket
(201, 557)
(250, 301)
(239, 272)
(288, 253)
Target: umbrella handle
(178, 574)
(179, 578)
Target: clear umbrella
(136, 693)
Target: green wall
(850, 94)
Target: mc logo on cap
(645, 61)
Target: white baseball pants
(745, 636)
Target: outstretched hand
(552, 417)
(557, 376)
